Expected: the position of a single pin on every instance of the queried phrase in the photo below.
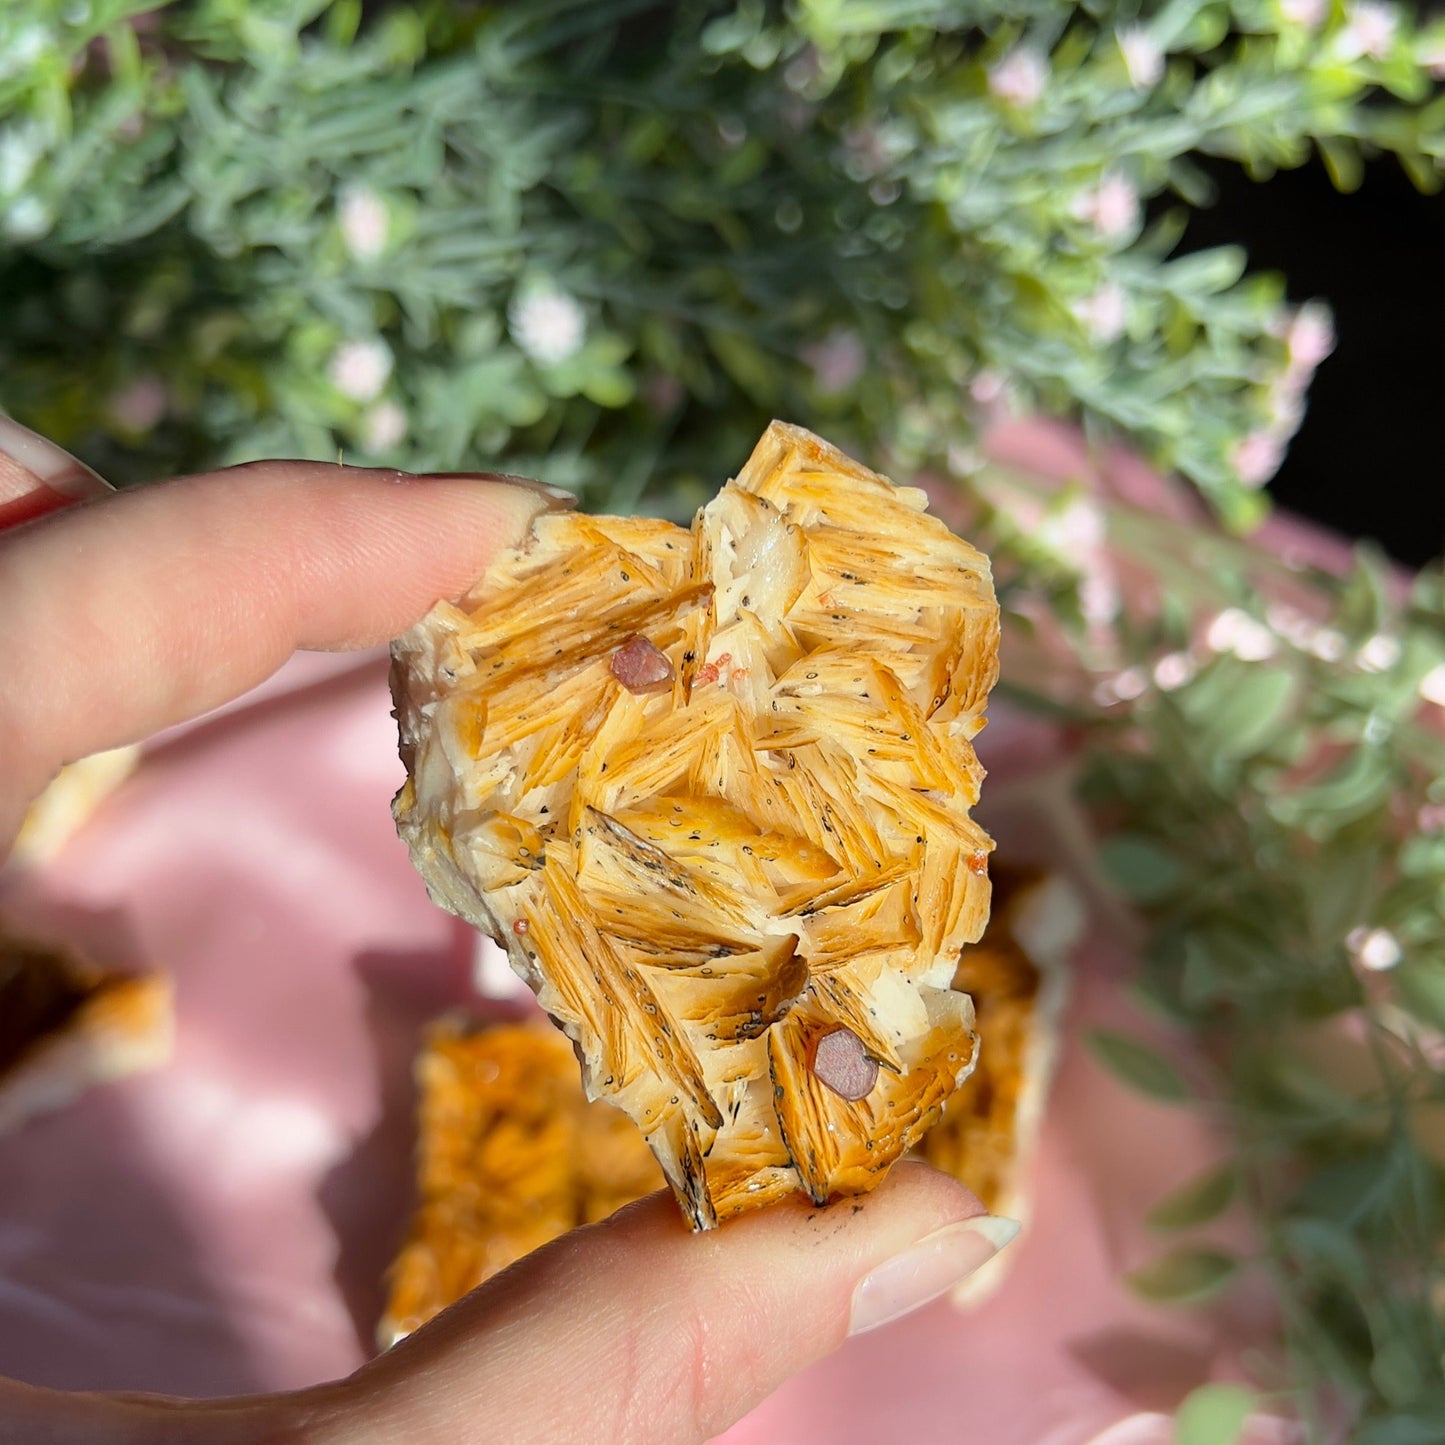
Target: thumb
(635, 1330)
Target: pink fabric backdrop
(222, 1225)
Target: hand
(126, 613)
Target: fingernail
(36, 476)
(928, 1269)
(557, 499)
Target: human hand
(132, 612)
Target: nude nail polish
(927, 1269)
(558, 499)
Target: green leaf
(1328, 1251)
(745, 362)
(1403, 1430)
(1342, 161)
(1139, 867)
(1183, 1276)
(1136, 1064)
(1246, 708)
(1196, 1202)
(1213, 1415)
(1397, 1374)
(1423, 855)
(609, 386)
(1359, 785)
(1206, 272)
(1421, 983)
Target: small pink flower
(988, 386)
(1378, 653)
(547, 324)
(1290, 623)
(1311, 335)
(1174, 670)
(1075, 528)
(1124, 686)
(138, 406)
(383, 427)
(1431, 819)
(1257, 457)
(837, 361)
(1105, 313)
(1369, 31)
(1432, 685)
(1327, 644)
(962, 460)
(1099, 599)
(1143, 59)
(1235, 631)
(364, 223)
(360, 369)
(1284, 405)
(1374, 949)
(1308, 14)
(1111, 207)
(1019, 78)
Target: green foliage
(1213, 1415)
(1197, 1202)
(1183, 1276)
(1279, 823)
(567, 237)
(1139, 1066)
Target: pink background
(222, 1225)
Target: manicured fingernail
(928, 1269)
(557, 499)
(36, 476)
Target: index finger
(128, 614)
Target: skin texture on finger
(637, 1331)
(629, 1332)
(33, 1416)
(139, 610)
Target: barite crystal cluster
(710, 788)
(509, 1156)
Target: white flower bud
(1432, 685)
(1174, 670)
(1257, 457)
(364, 222)
(1369, 31)
(547, 324)
(1378, 653)
(384, 426)
(1019, 78)
(360, 369)
(1143, 59)
(1103, 314)
(1376, 949)
(1236, 632)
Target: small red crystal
(640, 666)
(840, 1062)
